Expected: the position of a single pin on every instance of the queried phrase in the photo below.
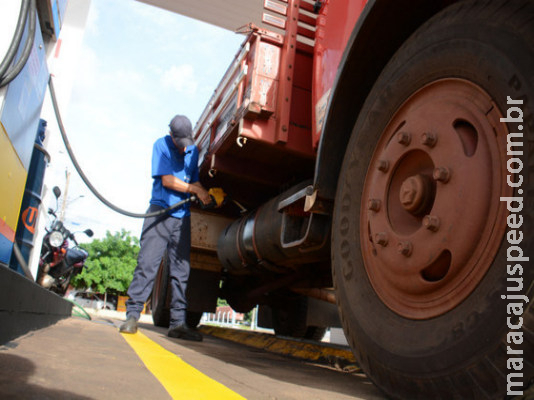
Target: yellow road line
(181, 380)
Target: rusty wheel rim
(431, 221)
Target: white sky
(139, 66)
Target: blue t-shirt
(167, 160)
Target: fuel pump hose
(86, 180)
(8, 72)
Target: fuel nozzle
(218, 198)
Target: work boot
(182, 331)
(130, 326)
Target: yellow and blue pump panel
(19, 120)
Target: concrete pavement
(75, 359)
(81, 359)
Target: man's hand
(202, 194)
(172, 182)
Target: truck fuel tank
(275, 236)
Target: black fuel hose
(86, 180)
(7, 73)
(22, 262)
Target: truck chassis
(382, 199)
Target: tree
(110, 265)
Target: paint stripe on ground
(181, 380)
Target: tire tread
(484, 376)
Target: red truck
(378, 160)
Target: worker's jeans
(161, 233)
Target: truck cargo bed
(254, 135)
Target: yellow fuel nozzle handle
(218, 196)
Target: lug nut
(431, 222)
(442, 174)
(381, 238)
(404, 138)
(405, 248)
(429, 139)
(374, 205)
(383, 166)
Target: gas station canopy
(227, 14)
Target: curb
(336, 356)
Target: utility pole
(64, 203)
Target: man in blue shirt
(175, 173)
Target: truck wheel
(289, 318)
(193, 318)
(286, 323)
(315, 333)
(234, 291)
(161, 295)
(161, 299)
(420, 244)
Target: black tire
(40, 274)
(161, 298)
(161, 295)
(289, 314)
(315, 333)
(289, 318)
(64, 282)
(234, 290)
(193, 318)
(459, 353)
(289, 321)
(62, 289)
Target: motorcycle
(59, 262)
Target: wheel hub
(433, 218)
(414, 193)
